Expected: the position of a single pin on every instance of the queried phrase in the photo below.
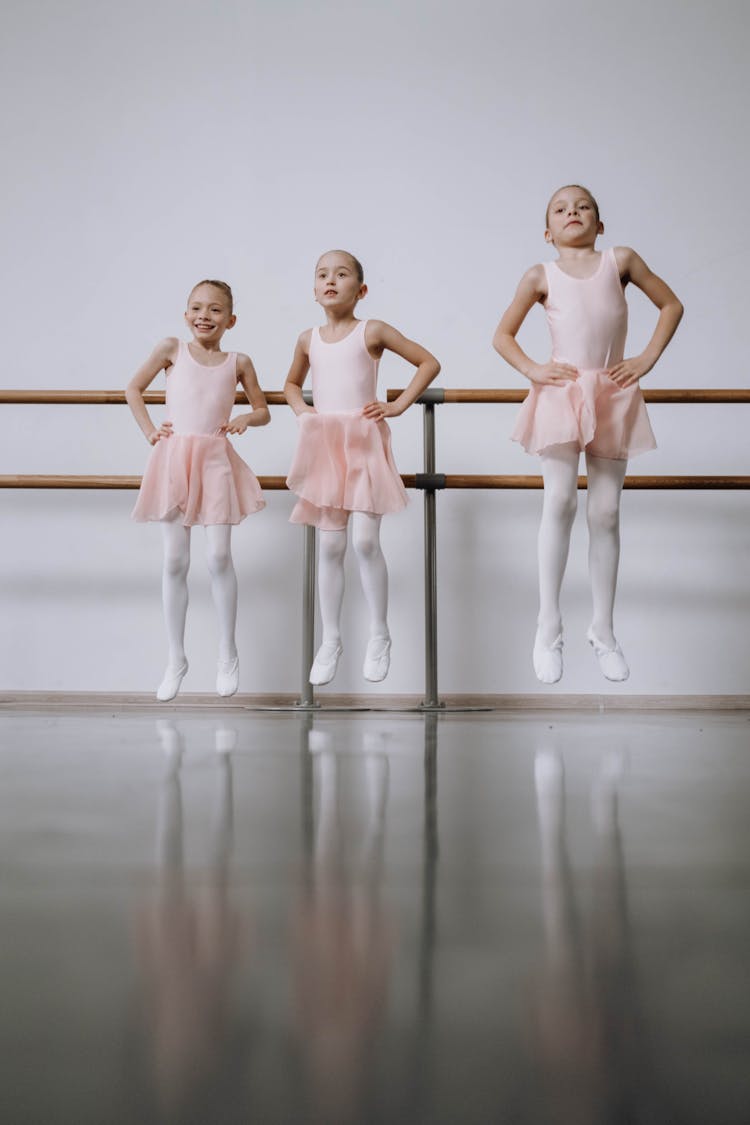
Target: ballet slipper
(227, 677)
(325, 663)
(170, 685)
(611, 661)
(377, 659)
(548, 662)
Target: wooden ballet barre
(445, 395)
(269, 484)
(107, 398)
(652, 483)
(276, 398)
(422, 481)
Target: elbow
(498, 343)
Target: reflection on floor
(339, 918)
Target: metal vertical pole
(430, 563)
(308, 615)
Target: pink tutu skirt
(201, 476)
(596, 414)
(343, 463)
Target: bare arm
(297, 375)
(633, 268)
(532, 289)
(259, 414)
(161, 358)
(380, 337)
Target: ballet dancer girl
(587, 397)
(343, 465)
(193, 475)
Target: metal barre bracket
(432, 395)
(429, 482)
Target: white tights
(176, 539)
(372, 571)
(605, 479)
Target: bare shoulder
(303, 340)
(376, 330)
(534, 282)
(379, 336)
(627, 261)
(167, 350)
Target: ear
(232, 321)
(362, 292)
(548, 235)
(600, 228)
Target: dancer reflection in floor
(343, 940)
(188, 941)
(586, 1027)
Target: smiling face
(573, 218)
(209, 314)
(338, 281)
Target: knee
(176, 565)
(366, 545)
(219, 560)
(603, 518)
(332, 549)
(560, 505)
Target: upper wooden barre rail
(444, 395)
(436, 394)
(104, 398)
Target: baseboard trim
(327, 702)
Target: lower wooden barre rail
(680, 483)
(458, 481)
(270, 484)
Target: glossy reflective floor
(260, 917)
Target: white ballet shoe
(548, 661)
(170, 685)
(325, 663)
(611, 661)
(227, 676)
(377, 659)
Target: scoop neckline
(332, 343)
(590, 277)
(206, 366)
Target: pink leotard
(195, 470)
(588, 320)
(343, 462)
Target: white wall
(151, 144)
